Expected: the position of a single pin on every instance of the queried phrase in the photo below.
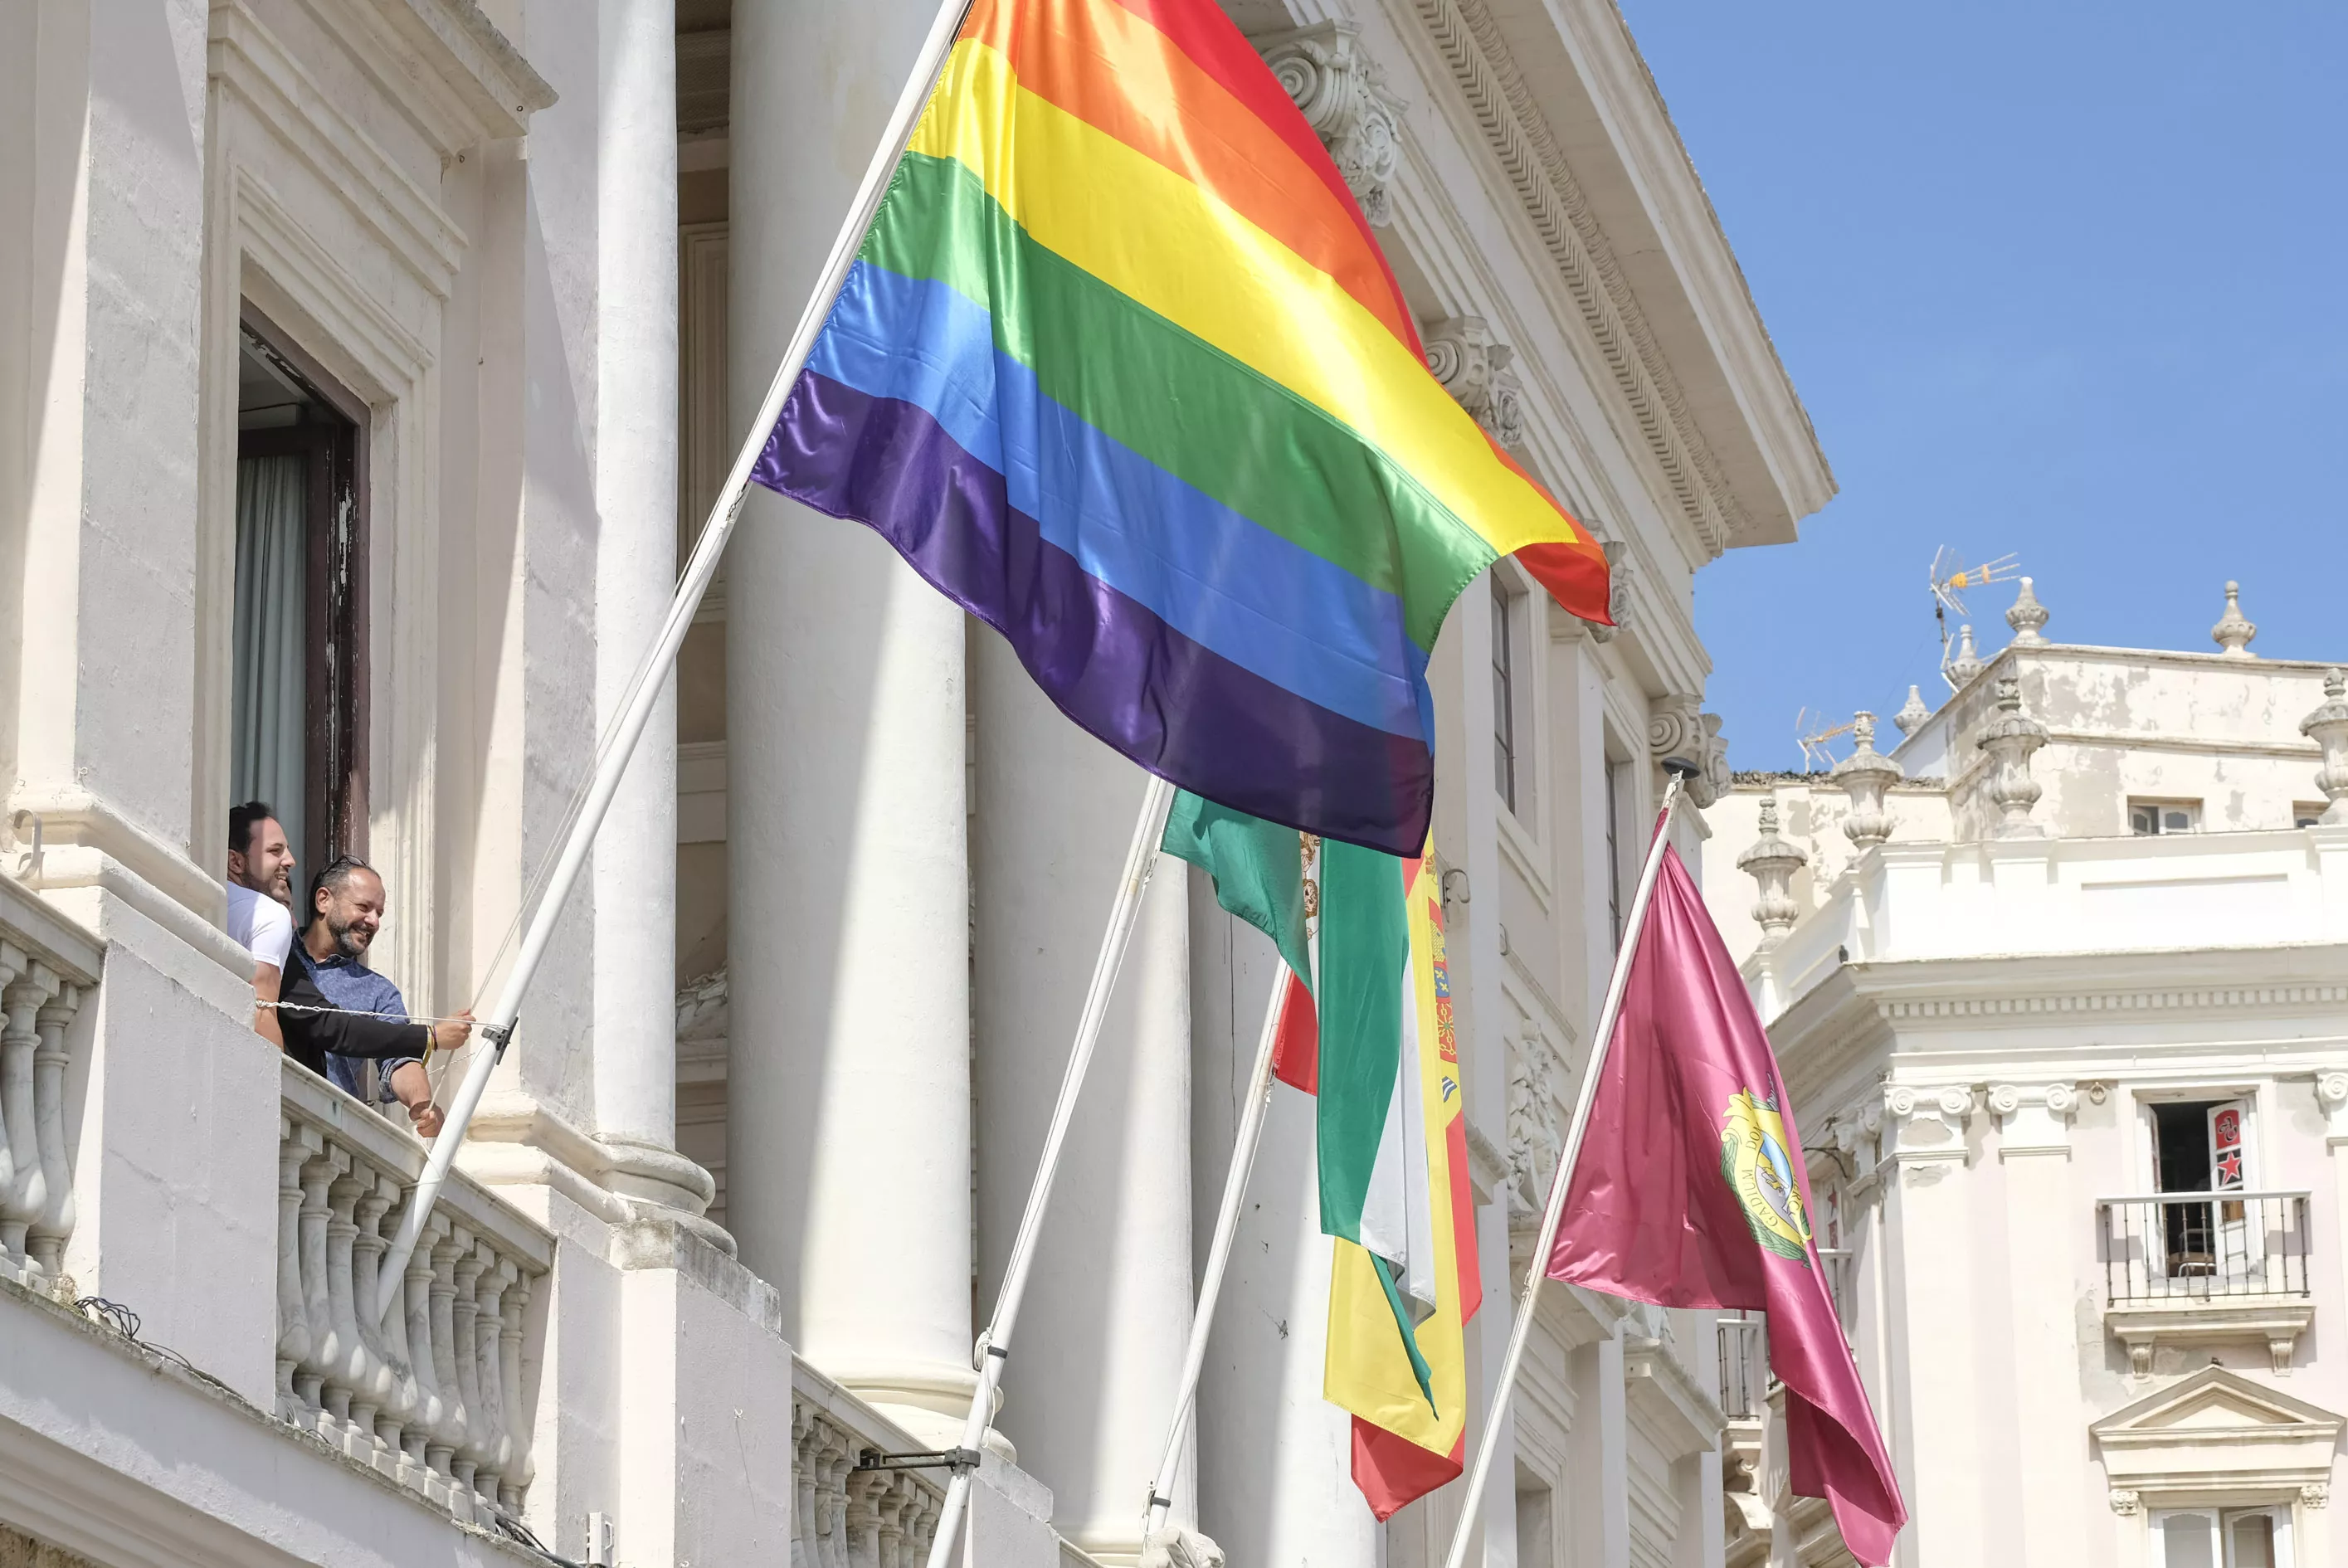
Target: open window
(2222, 1537)
(298, 710)
(2199, 1146)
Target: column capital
(1928, 1123)
(2033, 1120)
(1342, 94)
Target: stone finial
(1864, 776)
(2328, 727)
(1967, 664)
(1772, 863)
(2011, 738)
(1327, 73)
(1912, 713)
(2027, 617)
(2233, 633)
(1474, 369)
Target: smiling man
(346, 905)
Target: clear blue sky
(2061, 279)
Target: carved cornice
(1519, 136)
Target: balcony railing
(46, 970)
(2184, 1247)
(1744, 1366)
(846, 1517)
(432, 1398)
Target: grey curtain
(265, 760)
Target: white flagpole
(1218, 1253)
(994, 1344)
(1521, 1327)
(620, 741)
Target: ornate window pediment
(2215, 1434)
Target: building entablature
(2008, 899)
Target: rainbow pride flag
(1120, 369)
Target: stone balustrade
(432, 1396)
(45, 971)
(842, 1517)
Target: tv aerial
(1815, 739)
(1951, 579)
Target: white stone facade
(2096, 978)
(741, 1190)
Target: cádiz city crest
(1759, 1170)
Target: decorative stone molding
(2316, 1494)
(1474, 368)
(1176, 1547)
(1536, 1133)
(1772, 863)
(1912, 713)
(1508, 109)
(1677, 727)
(2034, 1121)
(2331, 1096)
(1928, 1125)
(1961, 669)
(2011, 738)
(2328, 727)
(2027, 618)
(1620, 574)
(2214, 1433)
(2125, 1503)
(2233, 633)
(1327, 75)
(1864, 776)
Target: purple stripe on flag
(1171, 705)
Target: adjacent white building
(2060, 988)
(364, 366)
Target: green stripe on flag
(1258, 868)
(1419, 1366)
(1364, 947)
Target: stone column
(636, 565)
(1936, 1445)
(1090, 1384)
(847, 913)
(2043, 1220)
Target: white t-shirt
(262, 925)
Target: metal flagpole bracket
(958, 1460)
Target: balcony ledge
(2274, 1321)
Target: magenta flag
(1690, 1192)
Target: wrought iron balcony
(2200, 1246)
(2186, 1267)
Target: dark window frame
(335, 588)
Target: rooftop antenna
(1951, 578)
(1814, 737)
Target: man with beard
(347, 903)
(260, 892)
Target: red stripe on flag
(1393, 1472)
(1462, 1221)
(1296, 1043)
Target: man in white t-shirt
(260, 888)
